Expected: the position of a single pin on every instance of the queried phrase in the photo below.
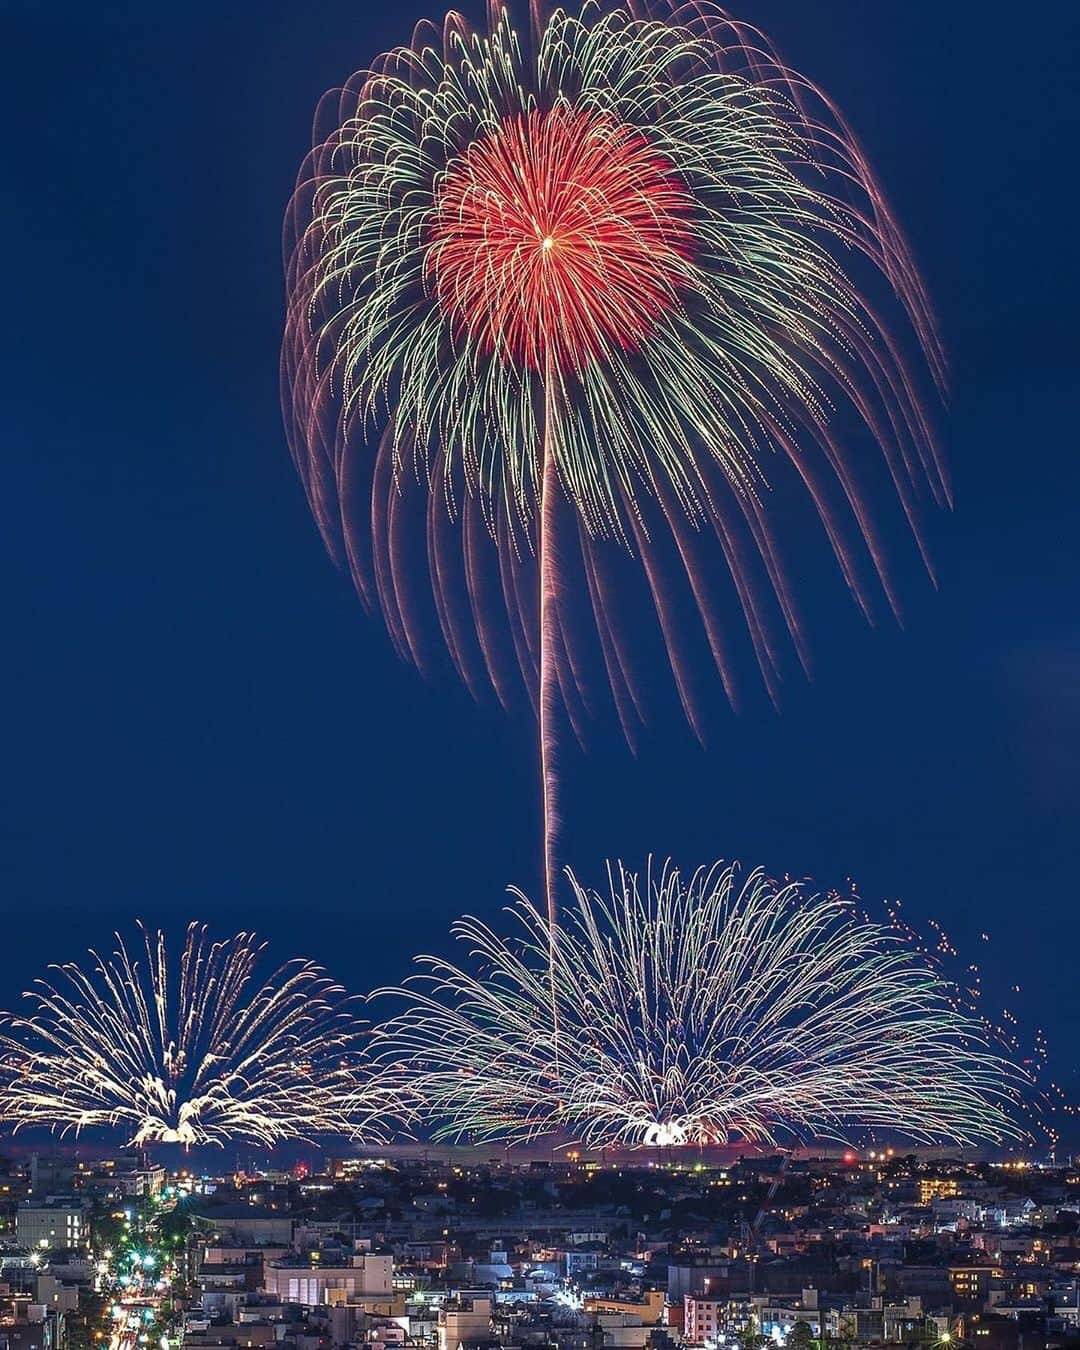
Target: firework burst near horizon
(203, 1050)
(706, 1009)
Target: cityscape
(449, 1249)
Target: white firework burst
(713, 1009)
(200, 1052)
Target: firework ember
(712, 1009)
(559, 238)
(634, 245)
(197, 1052)
(591, 295)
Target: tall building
(703, 1318)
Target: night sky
(199, 720)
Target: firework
(712, 1009)
(199, 1052)
(599, 290)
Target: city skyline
(500, 1254)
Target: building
(238, 1224)
(361, 1278)
(56, 1222)
(54, 1296)
(579, 1261)
(971, 1284)
(50, 1174)
(703, 1318)
(233, 1270)
(698, 1278)
(937, 1188)
(623, 1331)
(32, 1327)
(465, 1321)
(649, 1309)
(140, 1181)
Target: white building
(366, 1278)
(52, 1224)
(703, 1319)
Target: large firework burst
(199, 1052)
(604, 287)
(703, 1010)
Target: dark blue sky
(198, 718)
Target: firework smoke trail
(633, 267)
(711, 1009)
(196, 1053)
(547, 700)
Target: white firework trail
(711, 1009)
(198, 1052)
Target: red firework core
(558, 237)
